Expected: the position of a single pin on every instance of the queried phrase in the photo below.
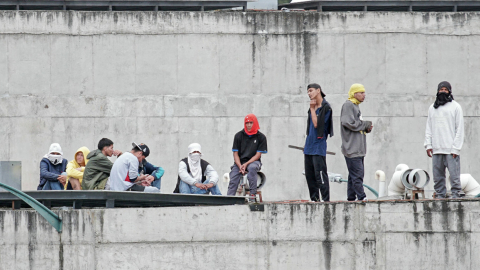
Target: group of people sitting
(131, 171)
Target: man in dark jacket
(52, 169)
(99, 166)
(319, 126)
(157, 172)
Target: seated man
(99, 166)
(248, 146)
(75, 169)
(124, 175)
(195, 175)
(150, 169)
(52, 169)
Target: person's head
(313, 90)
(195, 152)
(80, 158)
(444, 87)
(251, 125)
(55, 154)
(357, 93)
(141, 151)
(106, 146)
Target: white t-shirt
(124, 170)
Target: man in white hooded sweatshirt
(444, 139)
(195, 175)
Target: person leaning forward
(319, 126)
(444, 136)
(99, 166)
(354, 141)
(248, 146)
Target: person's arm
(212, 176)
(237, 144)
(459, 132)
(105, 165)
(352, 122)
(184, 175)
(73, 172)
(313, 113)
(133, 171)
(236, 158)
(254, 158)
(428, 135)
(44, 173)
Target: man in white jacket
(195, 175)
(444, 139)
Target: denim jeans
(52, 185)
(157, 183)
(187, 189)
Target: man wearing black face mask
(444, 139)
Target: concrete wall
(386, 235)
(172, 78)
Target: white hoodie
(444, 133)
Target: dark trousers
(317, 177)
(355, 179)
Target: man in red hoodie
(248, 146)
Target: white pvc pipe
(396, 188)
(380, 176)
(469, 185)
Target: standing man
(248, 146)
(354, 141)
(319, 126)
(444, 139)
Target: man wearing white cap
(195, 175)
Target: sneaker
(252, 198)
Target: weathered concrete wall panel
(172, 78)
(385, 235)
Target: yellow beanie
(355, 88)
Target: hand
(141, 178)
(150, 178)
(62, 179)
(430, 152)
(79, 169)
(243, 168)
(117, 153)
(200, 186)
(207, 186)
(313, 104)
(454, 155)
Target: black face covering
(442, 98)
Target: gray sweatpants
(440, 162)
(236, 176)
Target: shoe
(252, 198)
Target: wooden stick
(301, 148)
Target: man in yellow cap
(354, 142)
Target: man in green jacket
(99, 166)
